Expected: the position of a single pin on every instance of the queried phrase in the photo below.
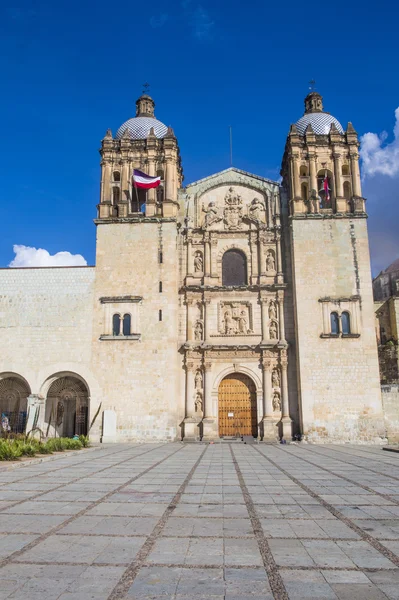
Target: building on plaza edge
(233, 306)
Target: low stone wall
(390, 402)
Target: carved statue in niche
(270, 261)
(243, 322)
(233, 211)
(198, 331)
(275, 378)
(273, 330)
(256, 209)
(212, 214)
(198, 380)
(198, 262)
(276, 401)
(272, 310)
(198, 403)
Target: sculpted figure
(198, 331)
(198, 380)
(270, 262)
(275, 378)
(198, 403)
(272, 310)
(212, 214)
(276, 401)
(229, 323)
(243, 322)
(273, 330)
(256, 209)
(198, 262)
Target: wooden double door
(237, 406)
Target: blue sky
(71, 70)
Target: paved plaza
(221, 521)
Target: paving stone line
(350, 463)
(363, 534)
(27, 464)
(275, 580)
(55, 529)
(127, 579)
(34, 497)
(351, 481)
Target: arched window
(139, 199)
(160, 174)
(304, 191)
(126, 324)
(116, 194)
(334, 320)
(234, 268)
(303, 171)
(160, 194)
(117, 176)
(345, 169)
(345, 323)
(347, 190)
(116, 324)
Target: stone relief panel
(232, 208)
(235, 318)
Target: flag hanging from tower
(142, 180)
(326, 188)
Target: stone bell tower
(336, 348)
(146, 144)
(136, 285)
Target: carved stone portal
(234, 318)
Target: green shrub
(84, 440)
(9, 451)
(14, 448)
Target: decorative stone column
(253, 244)
(264, 319)
(190, 324)
(170, 168)
(286, 421)
(209, 422)
(268, 426)
(341, 202)
(280, 300)
(298, 205)
(213, 261)
(190, 257)
(354, 156)
(192, 419)
(207, 257)
(262, 257)
(312, 174)
(207, 320)
(279, 266)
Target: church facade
(233, 306)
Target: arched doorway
(14, 394)
(237, 406)
(67, 407)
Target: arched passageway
(67, 407)
(14, 392)
(237, 406)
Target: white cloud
(27, 256)
(159, 20)
(202, 24)
(378, 157)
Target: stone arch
(234, 268)
(238, 369)
(67, 405)
(14, 392)
(237, 405)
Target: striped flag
(142, 180)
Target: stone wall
(138, 374)
(338, 377)
(390, 402)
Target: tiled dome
(320, 122)
(139, 128)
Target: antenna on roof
(231, 146)
(312, 85)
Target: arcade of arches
(65, 410)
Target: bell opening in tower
(139, 199)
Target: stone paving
(221, 521)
